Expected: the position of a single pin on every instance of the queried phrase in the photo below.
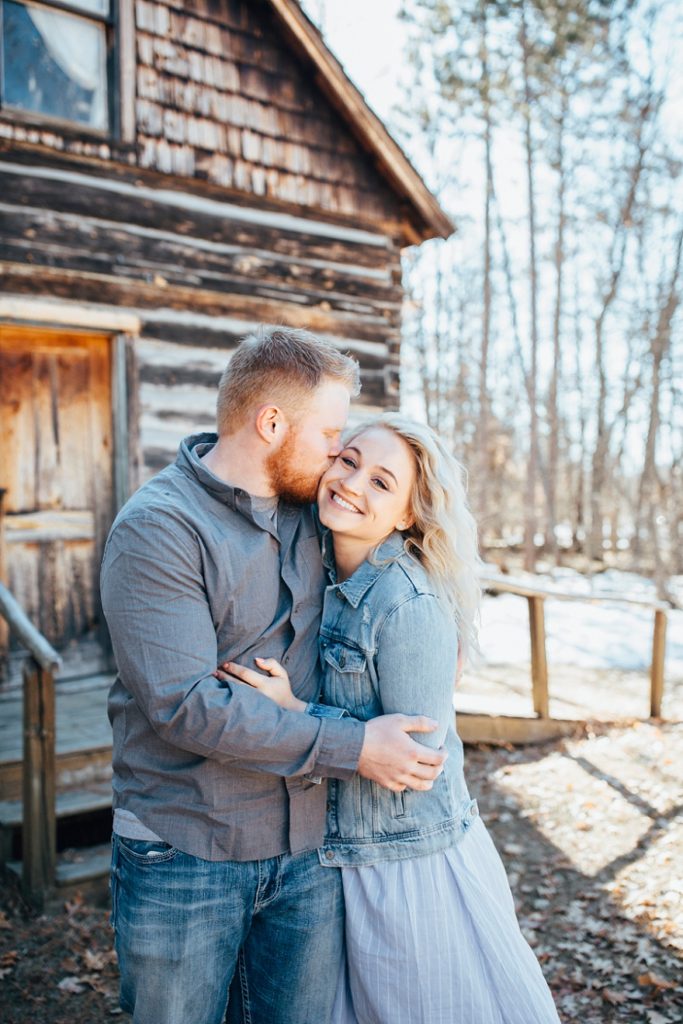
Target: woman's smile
(343, 503)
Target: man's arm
(164, 641)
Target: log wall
(199, 272)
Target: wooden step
(82, 741)
(69, 803)
(77, 866)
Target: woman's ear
(406, 522)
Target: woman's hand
(275, 685)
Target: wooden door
(56, 469)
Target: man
(218, 793)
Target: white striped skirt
(435, 940)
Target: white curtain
(78, 47)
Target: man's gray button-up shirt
(193, 576)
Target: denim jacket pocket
(346, 682)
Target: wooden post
(539, 664)
(4, 630)
(657, 669)
(39, 831)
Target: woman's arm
(417, 659)
(275, 685)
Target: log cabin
(171, 175)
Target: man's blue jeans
(184, 927)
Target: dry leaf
(655, 980)
(94, 961)
(71, 985)
(613, 997)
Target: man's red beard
(285, 477)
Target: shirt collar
(189, 461)
(356, 586)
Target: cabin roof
(423, 211)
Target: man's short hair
(282, 366)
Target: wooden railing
(536, 598)
(39, 829)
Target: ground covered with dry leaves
(591, 832)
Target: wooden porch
(58, 766)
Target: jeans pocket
(145, 851)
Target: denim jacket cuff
(325, 711)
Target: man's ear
(270, 423)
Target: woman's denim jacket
(388, 644)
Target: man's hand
(390, 757)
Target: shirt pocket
(346, 682)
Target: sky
(353, 30)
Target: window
(54, 60)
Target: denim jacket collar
(356, 586)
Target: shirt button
(329, 854)
(285, 659)
(328, 807)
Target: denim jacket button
(329, 854)
(342, 660)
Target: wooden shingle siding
(219, 99)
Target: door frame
(122, 328)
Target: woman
(431, 931)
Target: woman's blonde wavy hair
(443, 536)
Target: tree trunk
(532, 465)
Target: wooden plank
(92, 862)
(119, 403)
(88, 287)
(18, 429)
(75, 316)
(77, 768)
(68, 804)
(125, 28)
(127, 199)
(658, 659)
(539, 664)
(82, 722)
(496, 583)
(82, 241)
(39, 827)
(499, 729)
(82, 866)
(22, 627)
(4, 628)
(42, 527)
